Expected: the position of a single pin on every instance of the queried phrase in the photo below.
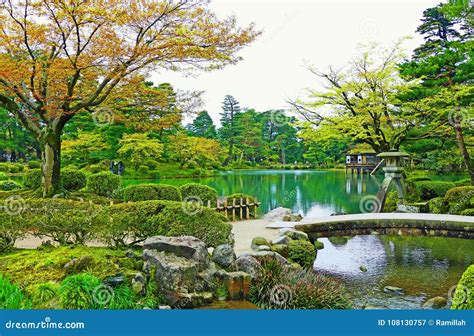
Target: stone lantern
(393, 174)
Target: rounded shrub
(76, 291)
(140, 220)
(432, 189)
(462, 183)
(151, 164)
(302, 252)
(104, 183)
(3, 176)
(9, 185)
(143, 170)
(32, 179)
(34, 164)
(199, 191)
(147, 192)
(464, 295)
(73, 180)
(460, 194)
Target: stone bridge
(416, 224)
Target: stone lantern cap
(393, 155)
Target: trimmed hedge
(438, 205)
(432, 189)
(73, 180)
(199, 191)
(148, 192)
(104, 183)
(34, 164)
(32, 179)
(9, 185)
(464, 295)
(460, 194)
(3, 176)
(463, 183)
(467, 212)
(140, 220)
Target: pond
(424, 267)
(310, 192)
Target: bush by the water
(73, 180)
(200, 192)
(104, 183)
(302, 252)
(32, 179)
(148, 192)
(9, 185)
(280, 287)
(432, 189)
(464, 295)
(140, 220)
(64, 221)
(11, 296)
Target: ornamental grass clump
(282, 287)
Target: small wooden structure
(361, 161)
(236, 208)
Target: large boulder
(248, 264)
(224, 255)
(294, 234)
(186, 247)
(277, 214)
(437, 302)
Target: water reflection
(424, 267)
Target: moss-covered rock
(257, 241)
(464, 295)
(302, 252)
(318, 245)
(281, 249)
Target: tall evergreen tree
(228, 132)
(203, 126)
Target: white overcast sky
(297, 33)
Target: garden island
(120, 191)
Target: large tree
(61, 57)
(203, 126)
(228, 131)
(444, 64)
(364, 100)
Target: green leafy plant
(73, 180)
(76, 291)
(43, 293)
(146, 192)
(464, 295)
(3, 176)
(11, 296)
(432, 189)
(199, 191)
(104, 183)
(9, 185)
(32, 179)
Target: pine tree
(203, 126)
(228, 132)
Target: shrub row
(146, 192)
(73, 222)
(11, 167)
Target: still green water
(424, 267)
(309, 192)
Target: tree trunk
(51, 162)
(464, 152)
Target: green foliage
(467, 212)
(143, 170)
(302, 252)
(3, 176)
(64, 221)
(460, 194)
(438, 205)
(464, 295)
(9, 185)
(136, 148)
(13, 226)
(73, 180)
(203, 126)
(32, 179)
(104, 183)
(463, 183)
(151, 164)
(11, 296)
(33, 164)
(432, 189)
(140, 220)
(242, 197)
(76, 291)
(299, 289)
(41, 294)
(148, 192)
(200, 192)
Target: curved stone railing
(388, 223)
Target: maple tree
(61, 57)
